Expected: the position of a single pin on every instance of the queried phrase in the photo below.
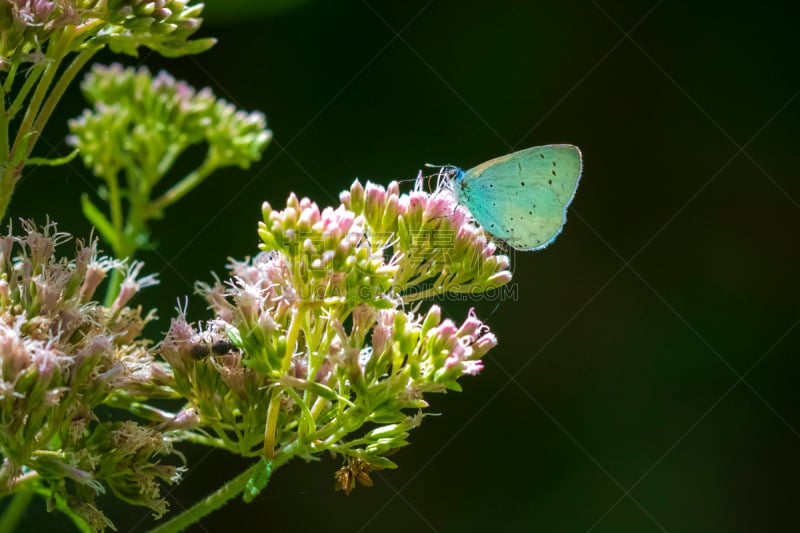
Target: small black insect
(201, 350)
(222, 347)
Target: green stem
(58, 91)
(291, 338)
(180, 189)
(203, 440)
(24, 141)
(7, 181)
(125, 247)
(3, 127)
(115, 204)
(142, 410)
(35, 104)
(271, 427)
(219, 498)
(168, 159)
(15, 510)
(306, 434)
(10, 75)
(19, 99)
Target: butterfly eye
(450, 172)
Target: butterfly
(521, 198)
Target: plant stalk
(15, 511)
(222, 496)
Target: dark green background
(674, 278)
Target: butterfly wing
(523, 197)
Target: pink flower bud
(501, 278)
(472, 368)
(375, 196)
(483, 345)
(472, 327)
(383, 331)
(185, 419)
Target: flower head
(162, 25)
(139, 125)
(166, 26)
(143, 119)
(63, 355)
(429, 239)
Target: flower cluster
(64, 355)
(311, 348)
(162, 25)
(430, 239)
(27, 26)
(140, 125)
(44, 33)
(327, 252)
(419, 244)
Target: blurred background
(646, 377)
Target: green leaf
(322, 390)
(256, 484)
(380, 461)
(54, 161)
(196, 46)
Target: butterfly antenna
(430, 177)
(419, 180)
(407, 180)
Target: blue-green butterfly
(521, 198)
